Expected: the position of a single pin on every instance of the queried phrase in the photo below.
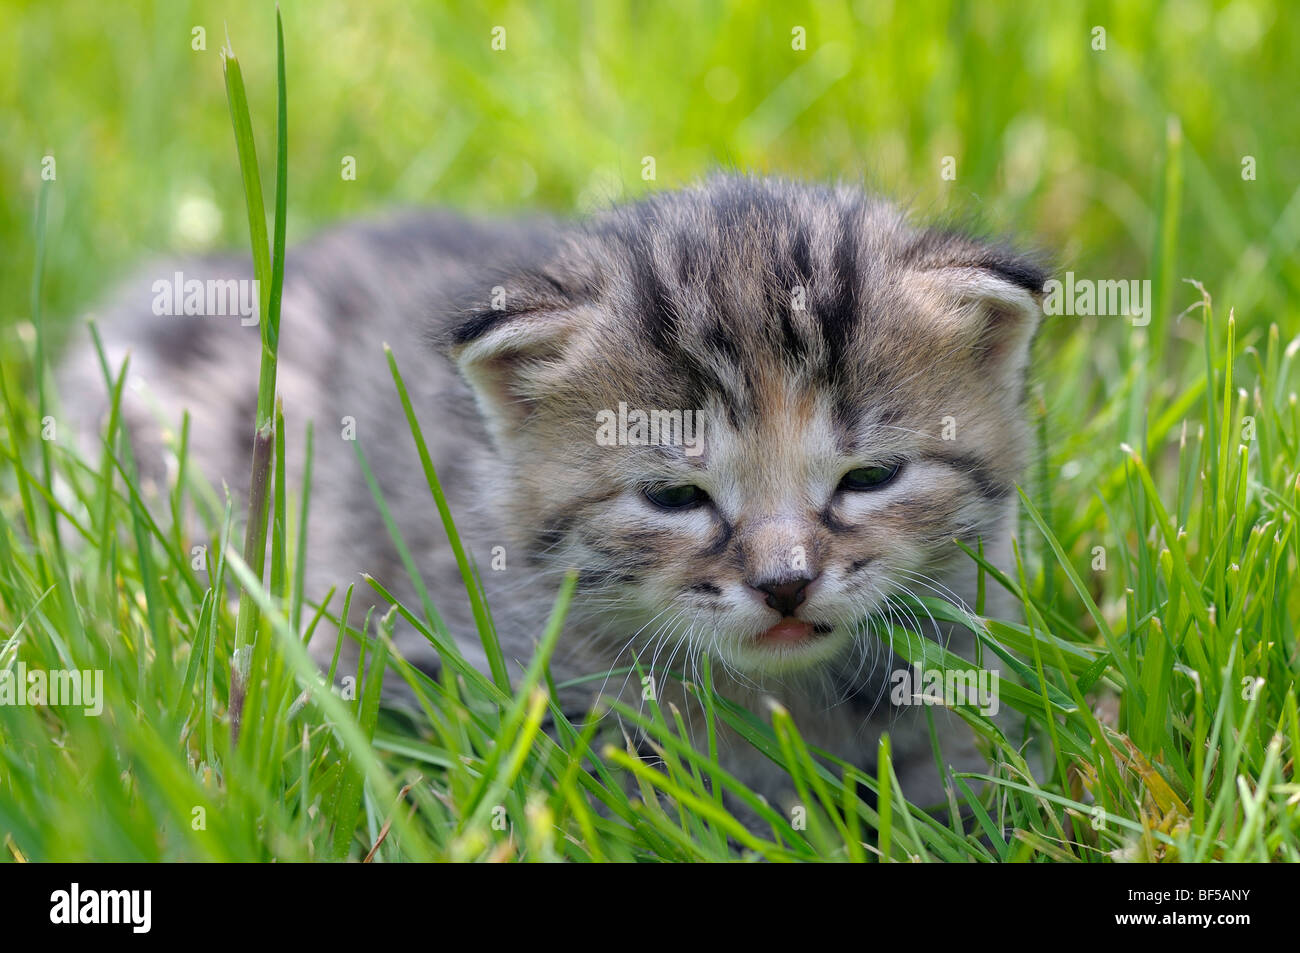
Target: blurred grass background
(1051, 138)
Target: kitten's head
(859, 383)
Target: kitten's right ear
(511, 343)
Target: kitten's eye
(869, 478)
(676, 497)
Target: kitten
(835, 395)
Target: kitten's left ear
(990, 298)
(510, 343)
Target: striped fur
(816, 329)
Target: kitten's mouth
(791, 631)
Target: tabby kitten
(751, 414)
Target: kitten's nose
(786, 596)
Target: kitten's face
(855, 382)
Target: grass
(1155, 663)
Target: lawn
(1155, 664)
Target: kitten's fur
(816, 328)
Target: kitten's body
(815, 329)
